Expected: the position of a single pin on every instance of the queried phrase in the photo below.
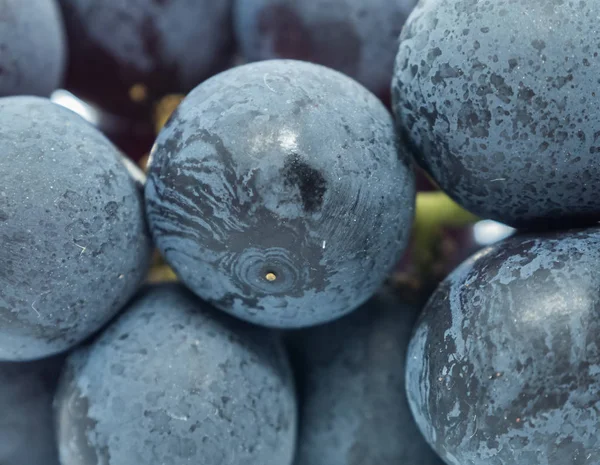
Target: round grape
(32, 47)
(355, 37)
(353, 408)
(26, 424)
(126, 54)
(75, 245)
(174, 381)
(278, 192)
(498, 102)
(503, 365)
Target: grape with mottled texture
(355, 37)
(124, 54)
(26, 426)
(503, 366)
(32, 47)
(74, 243)
(173, 381)
(278, 192)
(353, 408)
(498, 101)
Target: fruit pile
(218, 245)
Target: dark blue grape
(173, 381)
(26, 426)
(354, 409)
(162, 45)
(355, 37)
(74, 244)
(32, 47)
(498, 101)
(503, 366)
(277, 191)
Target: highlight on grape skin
(299, 232)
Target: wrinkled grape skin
(498, 101)
(503, 365)
(284, 167)
(355, 37)
(166, 45)
(74, 242)
(26, 426)
(353, 408)
(175, 381)
(32, 47)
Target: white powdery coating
(174, 382)
(288, 167)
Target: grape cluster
(312, 317)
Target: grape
(32, 47)
(125, 54)
(503, 365)
(355, 37)
(75, 245)
(354, 409)
(174, 382)
(497, 100)
(26, 428)
(277, 191)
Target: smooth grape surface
(26, 426)
(355, 37)
(287, 170)
(354, 409)
(503, 366)
(32, 47)
(498, 101)
(166, 46)
(176, 382)
(73, 240)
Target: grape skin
(26, 424)
(175, 381)
(355, 37)
(286, 168)
(502, 367)
(32, 47)
(75, 245)
(351, 373)
(498, 103)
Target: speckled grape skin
(354, 409)
(166, 45)
(176, 382)
(498, 100)
(74, 246)
(26, 426)
(284, 167)
(32, 47)
(503, 366)
(355, 37)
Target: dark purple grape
(125, 54)
(74, 246)
(173, 381)
(498, 102)
(356, 37)
(26, 427)
(353, 406)
(32, 47)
